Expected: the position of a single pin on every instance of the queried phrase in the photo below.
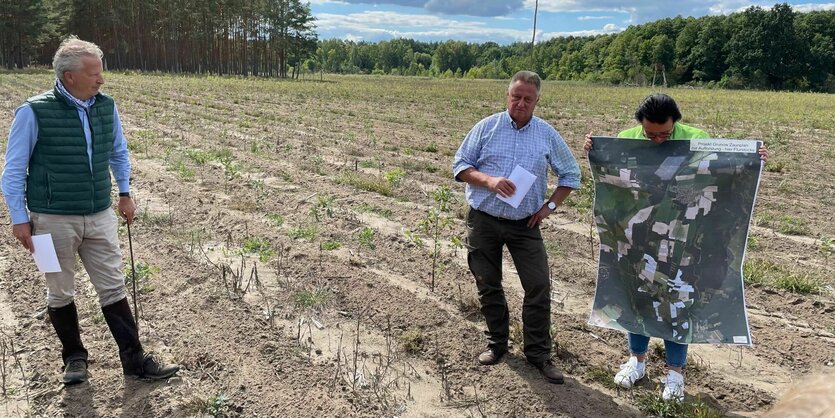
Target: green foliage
(768, 273)
(753, 243)
(323, 207)
(412, 341)
(366, 208)
(776, 48)
(312, 299)
(434, 226)
(199, 157)
(785, 224)
(259, 246)
(792, 226)
(331, 245)
(155, 219)
(276, 219)
(395, 177)
(602, 375)
(367, 183)
(654, 406)
(304, 232)
(582, 199)
(316, 164)
(774, 166)
(369, 164)
(216, 405)
(144, 272)
(827, 246)
(366, 237)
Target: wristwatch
(552, 206)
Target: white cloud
(381, 25)
(643, 11)
(559, 6)
(387, 25)
(731, 6)
(327, 2)
(582, 18)
(485, 8)
(813, 7)
(607, 29)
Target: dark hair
(658, 108)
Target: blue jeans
(676, 353)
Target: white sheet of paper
(523, 180)
(45, 257)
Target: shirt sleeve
(469, 151)
(120, 158)
(563, 163)
(23, 136)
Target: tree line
(775, 48)
(238, 37)
(757, 48)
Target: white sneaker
(673, 386)
(630, 372)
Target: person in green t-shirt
(659, 118)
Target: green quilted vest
(60, 181)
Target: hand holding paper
(45, 257)
(523, 179)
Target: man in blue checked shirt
(62, 145)
(490, 152)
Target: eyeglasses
(658, 135)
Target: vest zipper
(48, 191)
(92, 171)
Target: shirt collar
(513, 124)
(84, 104)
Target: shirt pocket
(536, 160)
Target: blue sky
(506, 21)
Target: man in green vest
(62, 146)
(658, 117)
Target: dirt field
(283, 264)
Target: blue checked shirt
(494, 147)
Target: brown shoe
(550, 372)
(491, 356)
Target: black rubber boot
(134, 360)
(73, 353)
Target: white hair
(527, 77)
(69, 54)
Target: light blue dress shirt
(23, 136)
(495, 147)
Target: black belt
(504, 220)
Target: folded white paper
(45, 257)
(523, 180)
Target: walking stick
(133, 275)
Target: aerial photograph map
(673, 222)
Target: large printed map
(673, 222)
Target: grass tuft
(654, 406)
(768, 273)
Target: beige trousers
(94, 238)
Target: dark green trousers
(486, 237)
